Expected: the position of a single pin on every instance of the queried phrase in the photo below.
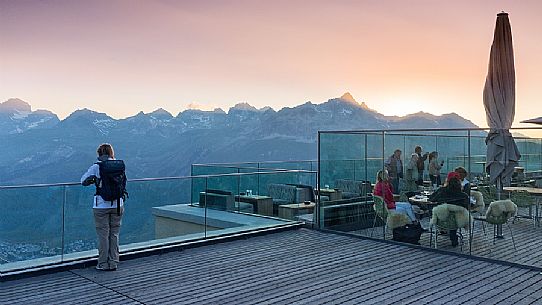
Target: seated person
(451, 193)
(465, 184)
(384, 189)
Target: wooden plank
(184, 272)
(278, 267)
(365, 278)
(514, 293)
(341, 272)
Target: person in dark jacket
(420, 164)
(451, 193)
(394, 165)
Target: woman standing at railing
(108, 204)
(434, 169)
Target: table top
(419, 199)
(256, 197)
(530, 190)
(329, 190)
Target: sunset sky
(398, 57)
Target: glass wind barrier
(500, 222)
(48, 224)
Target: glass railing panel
(44, 225)
(31, 226)
(154, 213)
(79, 228)
(293, 195)
(239, 208)
(348, 165)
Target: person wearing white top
(465, 184)
(107, 218)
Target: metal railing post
(319, 220)
(62, 239)
(383, 169)
(205, 205)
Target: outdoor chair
(449, 217)
(524, 200)
(391, 219)
(479, 204)
(499, 213)
(478, 208)
(353, 188)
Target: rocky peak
(15, 104)
(243, 107)
(348, 97)
(161, 113)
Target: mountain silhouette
(159, 144)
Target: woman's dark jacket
(446, 195)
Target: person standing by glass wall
(421, 163)
(394, 165)
(434, 169)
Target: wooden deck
(528, 240)
(293, 267)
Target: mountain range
(40, 148)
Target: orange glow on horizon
(398, 57)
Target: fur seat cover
(500, 211)
(479, 204)
(395, 220)
(444, 212)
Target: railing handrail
(251, 162)
(301, 171)
(424, 130)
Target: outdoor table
(423, 202)
(536, 192)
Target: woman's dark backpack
(409, 233)
(112, 183)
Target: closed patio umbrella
(499, 102)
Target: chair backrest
(500, 211)
(479, 201)
(288, 193)
(380, 207)
(360, 188)
(450, 216)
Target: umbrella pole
(499, 191)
